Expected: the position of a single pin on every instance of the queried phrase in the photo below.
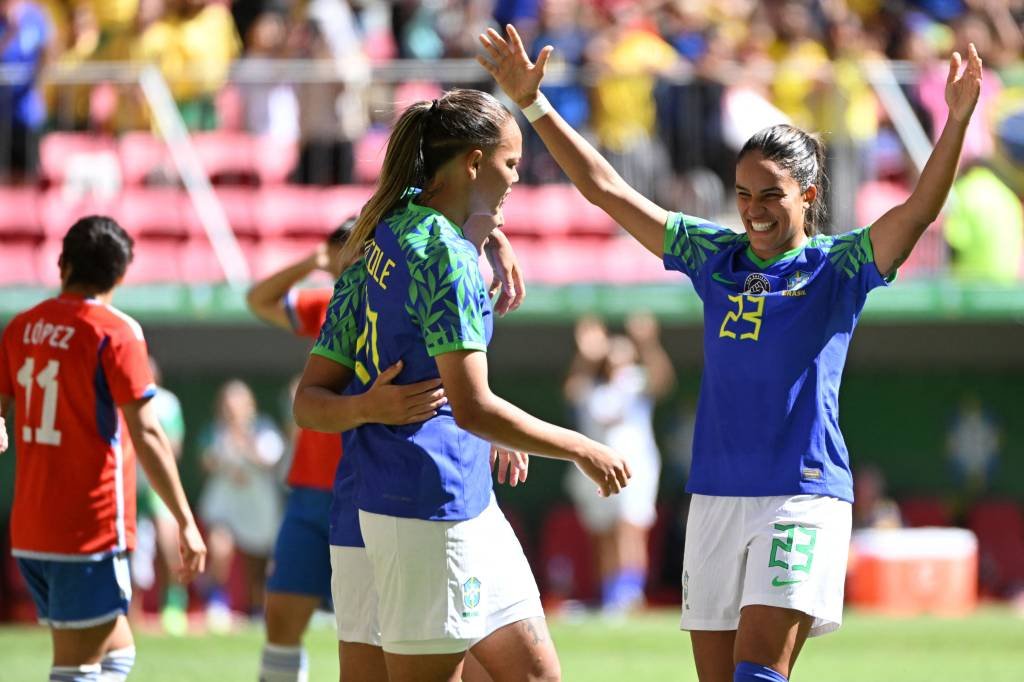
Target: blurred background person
(872, 507)
(241, 500)
(25, 36)
(613, 384)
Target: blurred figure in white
(241, 502)
(613, 384)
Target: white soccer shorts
(787, 551)
(354, 595)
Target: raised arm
(320, 406)
(602, 186)
(479, 411)
(894, 235)
(266, 298)
(661, 376)
(157, 460)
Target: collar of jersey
(420, 208)
(763, 263)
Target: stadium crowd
(667, 89)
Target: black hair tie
(433, 106)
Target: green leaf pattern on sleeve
(693, 241)
(446, 295)
(337, 339)
(847, 252)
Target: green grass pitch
(986, 647)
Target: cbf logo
(797, 280)
(470, 596)
(757, 284)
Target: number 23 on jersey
(743, 322)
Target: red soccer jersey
(316, 453)
(69, 362)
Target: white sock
(117, 664)
(75, 673)
(284, 664)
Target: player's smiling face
(771, 205)
(497, 171)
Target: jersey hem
(57, 556)
(457, 345)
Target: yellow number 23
(752, 315)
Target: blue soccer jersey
(424, 296)
(776, 334)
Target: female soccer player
(301, 577)
(769, 521)
(78, 373)
(449, 572)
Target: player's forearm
(504, 424)
(266, 298)
(320, 409)
(157, 460)
(926, 201)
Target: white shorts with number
(444, 586)
(787, 551)
(354, 595)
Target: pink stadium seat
(567, 566)
(275, 159)
(199, 262)
(240, 204)
(925, 511)
(270, 255)
(584, 217)
(570, 260)
(144, 157)
(369, 155)
(156, 260)
(59, 209)
(47, 271)
(227, 156)
(290, 209)
(58, 150)
(153, 212)
(18, 262)
(342, 202)
(535, 212)
(19, 217)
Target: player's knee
(546, 669)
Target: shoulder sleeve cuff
(456, 345)
(333, 356)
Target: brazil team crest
(470, 596)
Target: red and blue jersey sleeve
(125, 362)
(306, 309)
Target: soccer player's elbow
(469, 415)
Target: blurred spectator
(984, 227)
(241, 501)
(559, 27)
(193, 43)
(271, 107)
(25, 35)
(871, 507)
(613, 384)
(332, 115)
(628, 55)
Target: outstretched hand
(963, 89)
(511, 67)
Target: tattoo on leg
(535, 632)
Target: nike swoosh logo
(782, 583)
(718, 278)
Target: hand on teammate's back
(396, 404)
(193, 552)
(605, 467)
(513, 465)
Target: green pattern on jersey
(439, 258)
(337, 339)
(847, 252)
(694, 241)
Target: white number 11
(47, 380)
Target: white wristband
(540, 107)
